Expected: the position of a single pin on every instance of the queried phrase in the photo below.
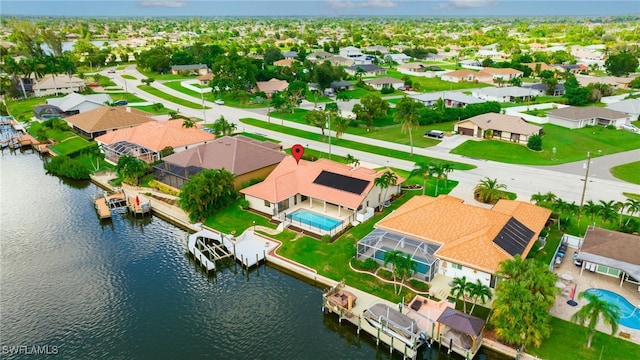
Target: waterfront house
(148, 140)
(497, 126)
(573, 117)
(445, 236)
(105, 119)
(75, 103)
(247, 159)
(54, 85)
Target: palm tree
(423, 169)
(340, 125)
(447, 168)
(67, 66)
(559, 207)
(403, 267)
(352, 160)
(607, 211)
(460, 289)
(188, 123)
(437, 169)
(537, 198)
(633, 206)
(590, 208)
(592, 312)
(388, 178)
(393, 258)
(51, 66)
(620, 206)
(407, 115)
(222, 127)
(489, 191)
(479, 291)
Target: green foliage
(621, 64)
(244, 204)
(206, 193)
(635, 83)
(131, 169)
(595, 309)
(574, 93)
(251, 182)
(157, 59)
(326, 239)
(489, 191)
(439, 114)
(371, 107)
(387, 90)
(535, 142)
(65, 166)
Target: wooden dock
(138, 206)
(106, 203)
(102, 208)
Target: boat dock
(108, 202)
(208, 246)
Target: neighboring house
(322, 186)
(502, 127)
(102, 120)
(533, 47)
(450, 98)
(367, 70)
(319, 56)
(146, 141)
(284, 62)
(578, 117)
(460, 76)
(340, 61)
(290, 55)
(503, 94)
(54, 85)
(205, 80)
(398, 58)
(378, 48)
(574, 68)
(541, 65)
(615, 81)
(630, 107)
(272, 86)
(342, 85)
(385, 82)
(200, 69)
(611, 253)
(245, 158)
(505, 74)
(417, 67)
(75, 103)
(350, 52)
(491, 54)
(540, 89)
(445, 236)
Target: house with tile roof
(505, 73)
(340, 61)
(448, 237)
(75, 103)
(574, 117)
(319, 56)
(503, 94)
(498, 126)
(272, 86)
(97, 122)
(245, 158)
(325, 187)
(460, 75)
(205, 79)
(284, 62)
(146, 141)
(54, 85)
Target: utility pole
(584, 186)
(204, 112)
(329, 126)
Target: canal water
(124, 288)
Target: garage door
(465, 131)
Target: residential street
(566, 181)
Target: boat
(396, 324)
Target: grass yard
(628, 172)
(394, 134)
(129, 77)
(23, 109)
(571, 145)
(537, 112)
(240, 101)
(156, 76)
(310, 153)
(298, 115)
(70, 146)
(153, 91)
(53, 134)
(233, 218)
(568, 342)
(356, 93)
(351, 144)
(154, 109)
(128, 97)
(258, 137)
(435, 84)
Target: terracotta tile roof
(462, 73)
(108, 118)
(284, 62)
(501, 122)
(466, 232)
(157, 135)
(588, 112)
(272, 85)
(289, 179)
(237, 154)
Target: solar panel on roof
(341, 182)
(513, 237)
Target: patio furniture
(566, 277)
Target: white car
(630, 127)
(111, 71)
(219, 102)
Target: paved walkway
(522, 180)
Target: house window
(267, 203)
(456, 266)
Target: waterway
(124, 288)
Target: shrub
(535, 142)
(244, 204)
(67, 167)
(419, 285)
(370, 265)
(326, 239)
(163, 188)
(387, 90)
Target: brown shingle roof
(588, 112)
(500, 71)
(612, 244)
(157, 135)
(466, 232)
(108, 118)
(272, 85)
(237, 154)
(501, 122)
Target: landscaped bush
(385, 274)
(251, 182)
(535, 142)
(67, 167)
(163, 188)
(326, 238)
(367, 265)
(419, 285)
(387, 90)
(244, 204)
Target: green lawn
(106, 82)
(257, 137)
(571, 145)
(129, 77)
(350, 144)
(356, 93)
(568, 342)
(320, 155)
(239, 100)
(628, 172)
(298, 115)
(394, 134)
(156, 76)
(23, 109)
(435, 84)
(233, 218)
(154, 109)
(54, 134)
(130, 98)
(153, 91)
(70, 146)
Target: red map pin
(297, 151)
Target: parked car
(630, 127)
(219, 101)
(120, 103)
(111, 71)
(434, 134)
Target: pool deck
(593, 280)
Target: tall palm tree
(479, 291)
(607, 211)
(593, 311)
(402, 266)
(423, 169)
(352, 160)
(559, 207)
(437, 169)
(67, 66)
(460, 289)
(590, 208)
(339, 124)
(407, 115)
(537, 198)
(388, 178)
(489, 191)
(15, 69)
(633, 206)
(447, 168)
(52, 67)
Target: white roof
(447, 95)
(60, 82)
(72, 100)
(504, 91)
(629, 106)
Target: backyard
(155, 92)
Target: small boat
(396, 324)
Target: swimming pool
(421, 264)
(314, 219)
(629, 314)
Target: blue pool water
(421, 267)
(629, 314)
(314, 219)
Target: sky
(323, 8)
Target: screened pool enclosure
(378, 242)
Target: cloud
(465, 4)
(378, 4)
(163, 3)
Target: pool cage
(378, 242)
(114, 151)
(174, 175)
